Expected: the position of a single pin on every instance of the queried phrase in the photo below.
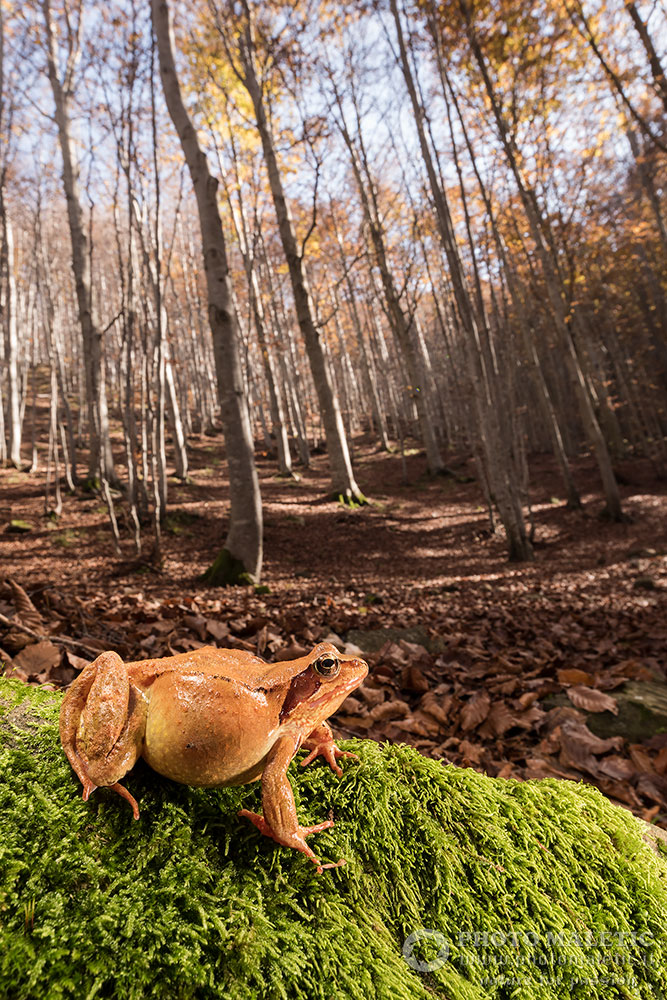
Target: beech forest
(347, 321)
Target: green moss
(227, 571)
(192, 902)
(350, 499)
(18, 527)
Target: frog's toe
(258, 821)
(306, 830)
(88, 789)
(331, 864)
(123, 792)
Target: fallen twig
(55, 638)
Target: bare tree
(241, 556)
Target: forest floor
(504, 667)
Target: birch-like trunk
(241, 556)
(8, 311)
(100, 461)
(551, 280)
(343, 482)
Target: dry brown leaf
(289, 652)
(40, 656)
(660, 762)
(475, 711)
(420, 724)
(594, 744)
(26, 611)
(471, 751)
(438, 708)
(573, 676)
(545, 767)
(498, 721)
(641, 759)
(618, 768)
(372, 695)
(526, 700)
(352, 706)
(395, 709)
(354, 721)
(412, 679)
(654, 787)
(557, 716)
(77, 662)
(219, 630)
(620, 790)
(591, 700)
(574, 752)
(529, 719)
(508, 687)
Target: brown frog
(208, 718)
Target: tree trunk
(552, 282)
(100, 461)
(343, 483)
(241, 556)
(8, 307)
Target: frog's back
(235, 664)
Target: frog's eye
(327, 666)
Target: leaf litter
(489, 665)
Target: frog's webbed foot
(321, 744)
(295, 839)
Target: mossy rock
(530, 891)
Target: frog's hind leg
(101, 726)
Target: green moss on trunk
(191, 902)
(227, 571)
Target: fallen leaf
(499, 720)
(372, 695)
(574, 754)
(618, 768)
(395, 709)
(530, 718)
(77, 662)
(573, 676)
(471, 751)
(475, 711)
(412, 679)
(419, 723)
(438, 708)
(591, 700)
(580, 732)
(641, 759)
(40, 656)
(26, 611)
(654, 787)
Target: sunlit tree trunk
(8, 313)
(343, 482)
(100, 461)
(241, 557)
(496, 435)
(551, 280)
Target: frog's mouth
(340, 691)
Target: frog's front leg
(280, 821)
(321, 743)
(102, 722)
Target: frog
(212, 717)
